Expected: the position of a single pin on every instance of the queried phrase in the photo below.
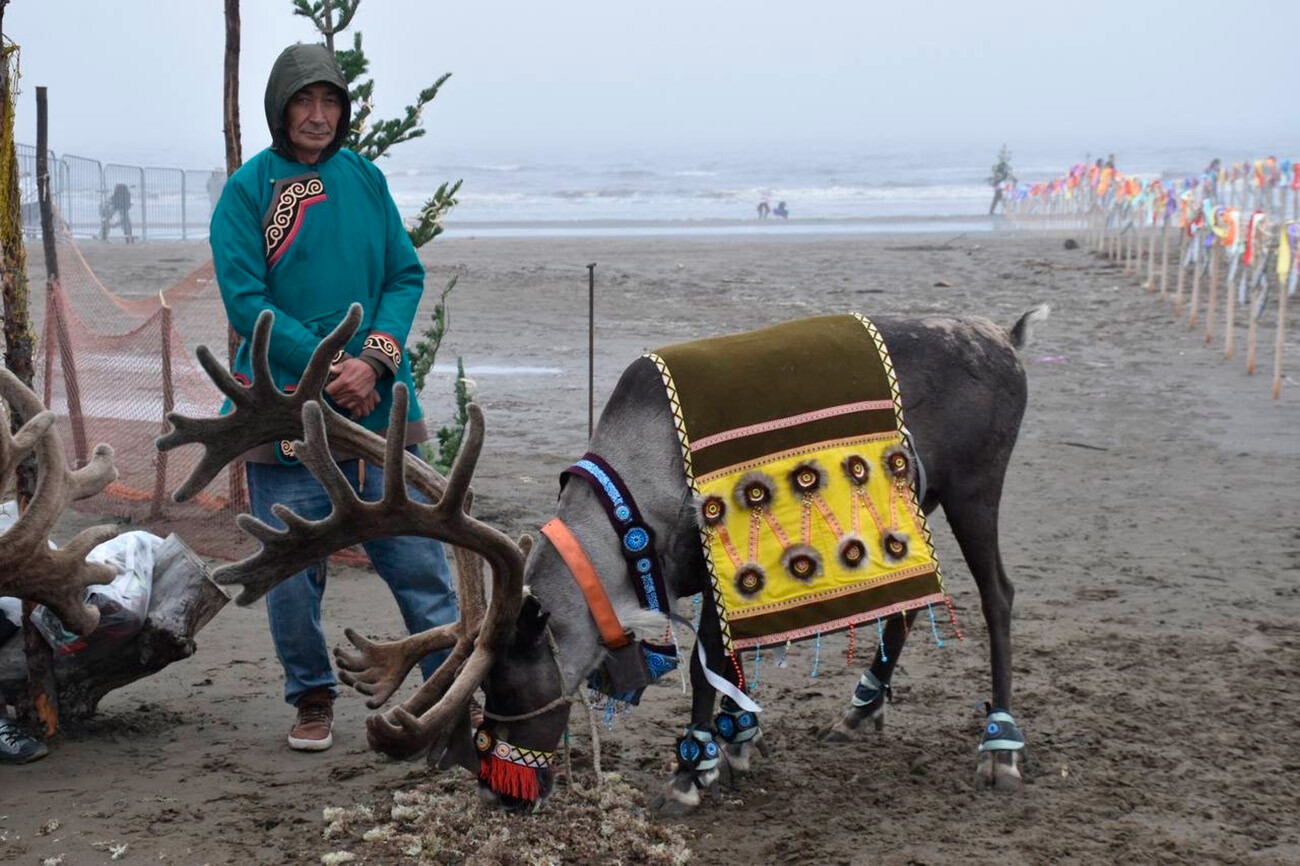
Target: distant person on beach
(119, 202)
(304, 229)
(1000, 177)
(781, 211)
(1110, 162)
(1211, 178)
(763, 208)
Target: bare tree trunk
(234, 159)
(182, 601)
(327, 12)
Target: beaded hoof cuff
(871, 694)
(735, 725)
(1001, 734)
(698, 754)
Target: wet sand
(1148, 523)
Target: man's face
(312, 117)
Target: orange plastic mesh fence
(111, 366)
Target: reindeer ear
(530, 628)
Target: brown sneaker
(314, 730)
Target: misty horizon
(143, 83)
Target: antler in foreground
(428, 716)
(261, 414)
(29, 567)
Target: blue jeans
(414, 568)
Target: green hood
(295, 68)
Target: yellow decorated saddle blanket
(792, 442)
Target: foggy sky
(141, 81)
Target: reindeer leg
(872, 692)
(683, 794)
(973, 516)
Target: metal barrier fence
(121, 203)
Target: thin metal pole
(144, 211)
(591, 349)
(184, 236)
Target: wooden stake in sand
(1164, 261)
(1151, 260)
(1197, 267)
(1230, 318)
(1214, 293)
(1185, 240)
(1252, 318)
(1282, 285)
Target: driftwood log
(183, 600)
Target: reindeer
(964, 395)
(30, 568)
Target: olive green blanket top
(792, 442)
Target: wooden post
(1182, 271)
(1197, 267)
(1164, 261)
(234, 159)
(1281, 333)
(1230, 315)
(1212, 302)
(169, 403)
(1252, 321)
(1151, 260)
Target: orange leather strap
(584, 574)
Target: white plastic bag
(123, 604)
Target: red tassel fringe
(509, 778)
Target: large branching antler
(262, 414)
(431, 712)
(29, 567)
(378, 668)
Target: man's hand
(354, 387)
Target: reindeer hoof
(845, 730)
(739, 755)
(999, 771)
(681, 798)
(840, 733)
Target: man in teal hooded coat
(304, 229)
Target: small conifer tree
(373, 139)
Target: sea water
(529, 191)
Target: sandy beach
(1148, 523)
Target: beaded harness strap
(637, 546)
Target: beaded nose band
(509, 769)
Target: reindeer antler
(263, 414)
(29, 567)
